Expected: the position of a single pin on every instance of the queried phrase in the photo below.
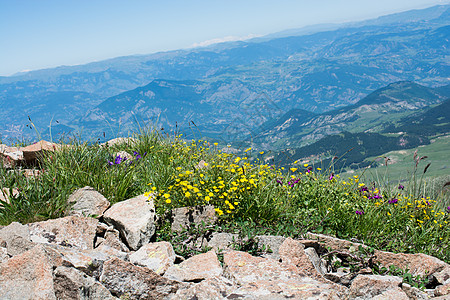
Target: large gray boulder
(71, 231)
(135, 219)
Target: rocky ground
(99, 251)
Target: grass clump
(248, 195)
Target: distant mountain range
(403, 115)
(377, 112)
(240, 90)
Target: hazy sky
(37, 34)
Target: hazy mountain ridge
(371, 114)
(317, 72)
(409, 132)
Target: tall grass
(245, 192)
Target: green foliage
(250, 197)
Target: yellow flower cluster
(222, 182)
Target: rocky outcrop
(114, 257)
(33, 152)
(13, 157)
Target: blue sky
(36, 34)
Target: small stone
(414, 293)
(265, 278)
(124, 155)
(443, 290)
(201, 165)
(10, 157)
(3, 255)
(112, 239)
(293, 252)
(86, 260)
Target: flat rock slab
(27, 276)
(77, 232)
(87, 202)
(85, 259)
(377, 286)
(265, 278)
(158, 257)
(135, 220)
(124, 279)
(198, 267)
(211, 288)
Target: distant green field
(401, 164)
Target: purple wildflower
(359, 212)
(117, 161)
(401, 187)
(448, 209)
(293, 182)
(392, 201)
(364, 189)
(279, 181)
(331, 176)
